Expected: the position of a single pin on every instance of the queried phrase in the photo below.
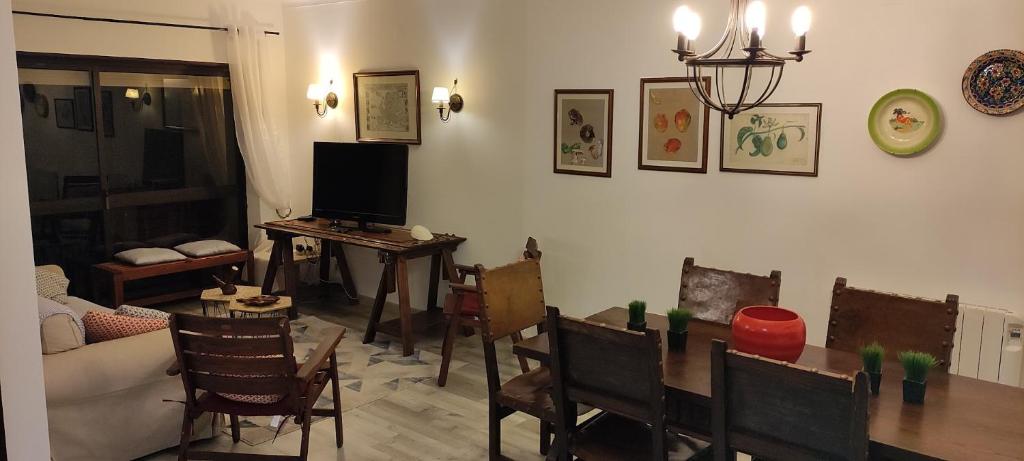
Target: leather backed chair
(246, 367)
(804, 415)
(716, 295)
(621, 373)
(858, 317)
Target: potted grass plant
(678, 322)
(915, 380)
(872, 355)
(637, 316)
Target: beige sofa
(113, 400)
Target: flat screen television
(365, 183)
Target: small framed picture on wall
(583, 132)
(673, 126)
(387, 106)
(772, 139)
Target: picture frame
(674, 126)
(64, 113)
(387, 106)
(85, 117)
(583, 132)
(779, 138)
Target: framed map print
(387, 106)
(673, 126)
(583, 132)
(772, 139)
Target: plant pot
(677, 340)
(913, 391)
(876, 382)
(641, 327)
(769, 331)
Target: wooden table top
(398, 241)
(962, 418)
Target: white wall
(21, 363)
(948, 221)
(466, 177)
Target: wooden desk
(962, 418)
(394, 251)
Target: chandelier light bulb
(756, 16)
(801, 21)
(686, 22)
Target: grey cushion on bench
(205, 248)
(148, 256)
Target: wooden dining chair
(776, 410)
(899, 323)
(462, 310)
(716, 295)
(617, 371)
(246, 367)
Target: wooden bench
(115, 275)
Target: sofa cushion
(60, 328)
(81, 306)
(148, 256)
(52, 285)
(142, 313)
(204, 248)
(102, 326)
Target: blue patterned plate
(994, 83)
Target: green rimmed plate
(905, 122)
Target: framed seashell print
(772, 139)
(673, 126)
(583, 132)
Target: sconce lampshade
(440, 95)
(315, 92)
(131, 93)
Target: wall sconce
(136, 100)
(441, 98)
(317, 93)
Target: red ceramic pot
(769, 331)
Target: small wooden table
(214, 300)
(394, 250)
(961, 419)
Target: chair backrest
(613, 369)
(532, 251)
(716, 295)
(235, 356)
(774, 409)
(512, 298)
(899, 323)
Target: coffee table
(217, 304)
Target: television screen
(360, 182)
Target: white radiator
(988, 345)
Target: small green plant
(678, 319)
(872, 355)
(916, 365)
(637, 311)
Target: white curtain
(266, 164)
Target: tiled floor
(418, 422)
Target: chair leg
(236, 430)
(339, 436)
(494, 434)
(446, 349)
(304, 450)
(545, 437)
(186, 436)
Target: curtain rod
(129, 21)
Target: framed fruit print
(583, 132)
(673, 126)
(772, 139)
(387, 106)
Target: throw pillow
(60, 328)
(52, 285)
(142, 313)
(206, 248)
(148, 256)
(103, 326)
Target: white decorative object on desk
(421, 233)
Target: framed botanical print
(583, 132)
(84, 108)
(772, 139)
(387, 106)
(673, 126)
(64, 112)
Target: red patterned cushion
(103, 326)
(471, 305)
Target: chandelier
(739, 56)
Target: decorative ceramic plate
(994, 83)
(905, 122)
(259, 301)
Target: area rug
(367, 372)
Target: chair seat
(612, 437)
(214, 403)
(530, 393)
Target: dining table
(961, 419)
